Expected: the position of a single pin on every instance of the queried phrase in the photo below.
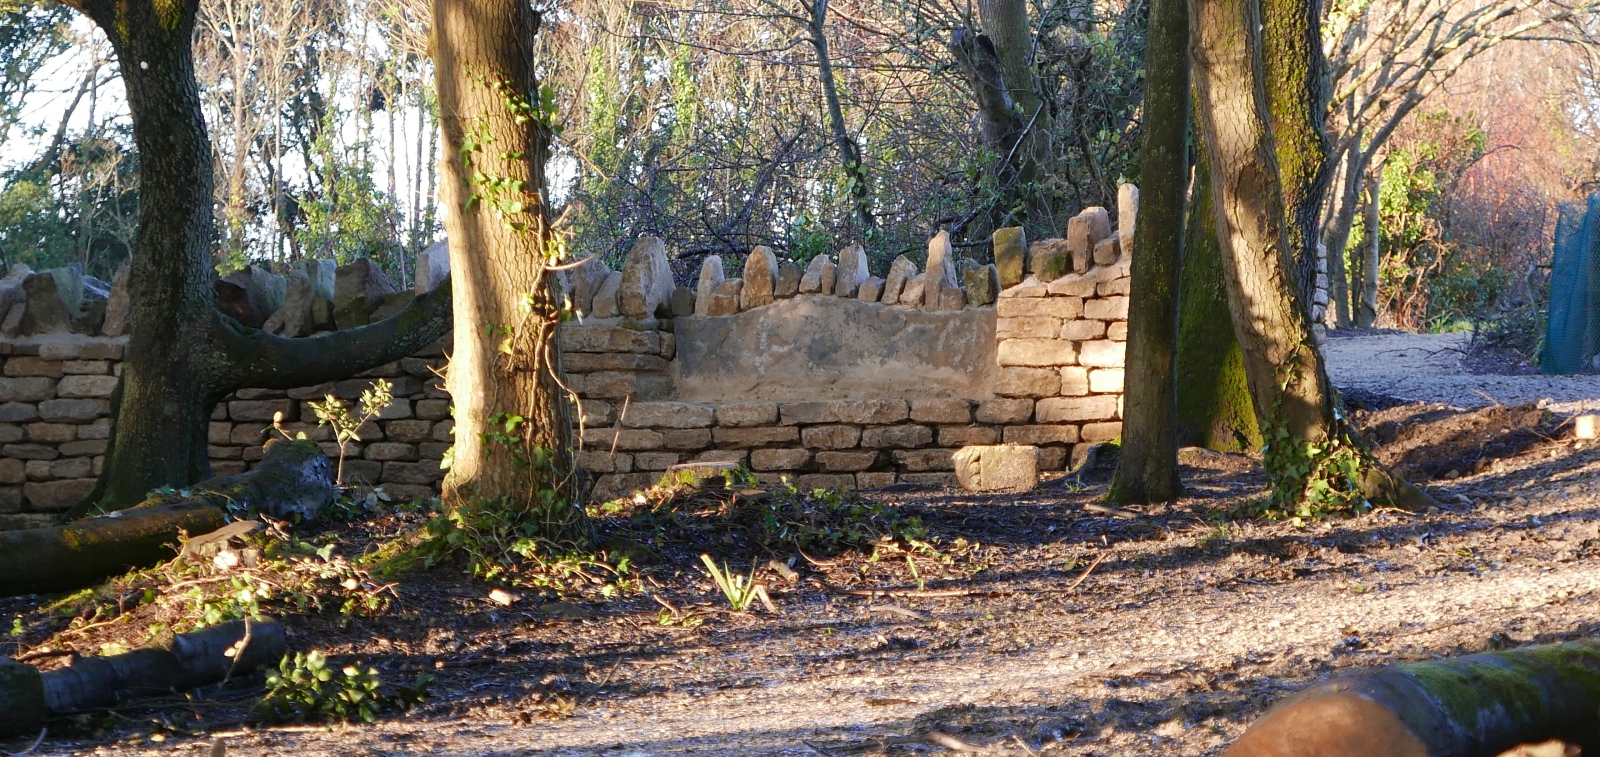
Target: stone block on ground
(997, 468)
(1105, 251)
(1010, 255)
(870, 290)
(54, 298)
(646, 280)
(941, 273)
(760, 278)
(1049, 259)
(711, 277)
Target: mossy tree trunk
(1297, 93)
(513, 416)
(1316, 461)
(1213, 407)
(183, 356)
(1147, 469)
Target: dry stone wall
(828, 375)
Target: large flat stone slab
(819, 348)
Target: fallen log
(212, 655)
(1475, 706)
(294, 478)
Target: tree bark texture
(1284, 370)
(183, 356)
(1297, 96)
(1213, 408)
(293, 479)
(1338, 238)
(1476, 706)
(514, 444)
(1147, 468)
(207, 656)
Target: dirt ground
(1428, 368)
(1077, 631)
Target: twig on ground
(949, 593)
(892, 610)
(1109, 510)
(31, 747)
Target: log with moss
(1475, 706)
(294, 478)
(190, 660)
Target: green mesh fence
(1572, 333)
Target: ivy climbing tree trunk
(1147, 469)
(183, 355)
(1316, 461)
(1214, 408)
(513, 416)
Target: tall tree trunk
(1147, 469)
(513, 417)
(183, 356)
(1370, 255)
(1317, 463)
(1337, 236)
(1297, 95)
(1214, 408)
(849, 151)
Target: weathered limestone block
(911, 296)
(578, 338)
(605, 300)
(1010, 255)
(725, 298)
(1027, 382)
(951, 298)
(819, 276)
(852, 271)
(922, 460)
(1084, 231)
(56, 495)
(1108, 380)
(830, 437)
(1049, 259)
(1005, 411)
(86, 386)
(788, 280)
(760, 278)
(941, 273)
(1027, 327)
(604, 461)
(1077, 409)
(711, 277)
(1030, 287)
(686, 438)
(1114, 288)
(941, 411)
(27, 389)
(1102, 354)
(586, 282)
(359, 288)
(746, 414)
(1040, 435)
(847, 461)
(1000, 468)
(779, 459)
(621, 438)
(433, 267)
(1035, 352)
(1073, 285)
(1117, 331)
(682, 302)
(908, 436)
(118, 309)
(646, 279)
(1101, 432)
(981, 282)
(1106, 309)
(1080, 330)
(1074, 381)
(54, 298)
(825, 481)
(965, 436)
(250, 295)
(744, 438)
(667, 415)
(1127, 217)
(901, 271)
(870, 290)
(1060, 308)
(871, 411)
(294, 319)
(1105, 251)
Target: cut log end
(1328, 724)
